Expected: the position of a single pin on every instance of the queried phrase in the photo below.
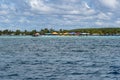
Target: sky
(58, 14)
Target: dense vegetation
(100, 31)
(91, 31)
(25, 32)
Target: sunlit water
(60, 58)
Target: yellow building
(66, 33)
(54, 33)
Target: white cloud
(4, 6)
(99, 23)
(24, 20)
(4, 19)
(3, 12)
(103, 16)
(28, 14)
(118, 22)
(74, 12)
(86, 5)
(60, 12)
(39, 5)
(8, 7)
(73, 1)
(78, 19)
(110, 3)
(66, 7)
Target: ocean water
(60, 58)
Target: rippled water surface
(60, 58)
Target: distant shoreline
(53, 36)
(62, 32)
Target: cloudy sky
(65, 14)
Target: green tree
(17, 32)
(5, 32)
(33, 32)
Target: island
(63, 32)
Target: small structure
(60, 34)
(48, 33)
(72, 33)
(84, 34)
(95, 34)
(36, 34)
(78, 33)
(54, 33)
(66, 33)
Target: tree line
(91, 31)
(26, 32)
(99, 31)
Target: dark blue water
(60, 58)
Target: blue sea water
(60, 58)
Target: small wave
(70, 62)
(30, 78)
(88, 73)
(77, 73)
(11, 75)
(115, 67)
(80, 51)
(114, 73)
